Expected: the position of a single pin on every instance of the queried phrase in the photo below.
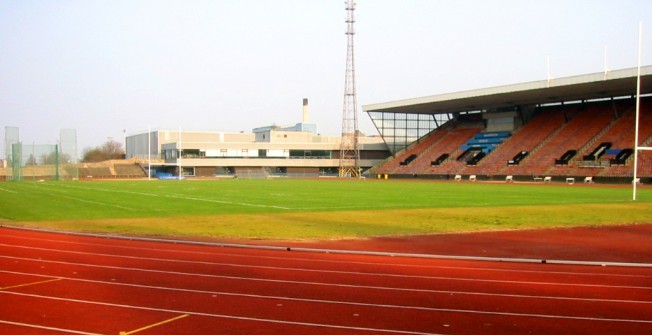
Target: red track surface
(54, 284)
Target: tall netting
(11, 138)
(40, 161)
(68, 167)
(35, 162)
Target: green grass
(309, 209)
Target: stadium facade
(563, 128)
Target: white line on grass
(6, 190)
(97, 203)
(180, 197)
(226, 202)
(61, 194)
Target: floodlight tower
(349, 151)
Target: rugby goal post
(637, 148)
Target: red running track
(56, 284)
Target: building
(273, 150)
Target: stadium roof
(585, 87)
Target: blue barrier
(499, 134)
(487, 142)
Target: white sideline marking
(69, 331)
(60, 192)
(97, 202)
(225, 202)
(6, 190)
(223, 316)
(466, 268)
(177, 197)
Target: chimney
(306, 111)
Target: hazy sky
(103, 67)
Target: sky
(110, 68)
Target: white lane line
(308, 283)
(29, 325)
(443, 310)
(322, 301)
(222, 316)
(274, 268)
(313, 260)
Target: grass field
(312, 209)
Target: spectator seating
(596, 132)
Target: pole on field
(638, 106)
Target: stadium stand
(526, 139)
(573, 135)
(451, 145)
(116, 169)
(572, 141)
(391, 165)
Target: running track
(58, 284)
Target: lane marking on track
(222, 316)
(312, 260)
(30, 284)
(337, 302)
(29, 325)
(348, 252)
(346, 286)
(389, 275)
(154, 325)
(445, 310)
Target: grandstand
(112, 169)
(567, 128)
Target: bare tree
(109, 150)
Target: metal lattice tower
(349, 151)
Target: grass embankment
(312, 209)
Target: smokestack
(306, 111)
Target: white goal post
(635, 180)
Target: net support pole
(180, 153)
(149, 152)
(638, 107)
(57, 176)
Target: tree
(55, 158)
(109, 150)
